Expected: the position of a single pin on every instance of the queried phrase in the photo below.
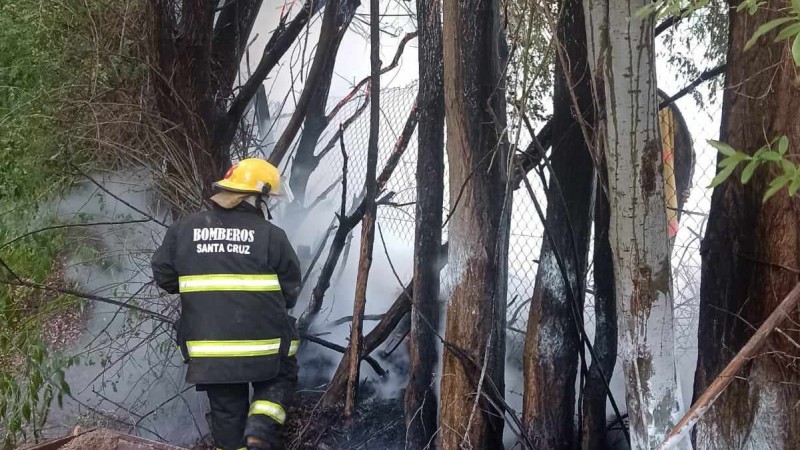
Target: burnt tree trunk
(478, 228)
(231, 33)
(593, 435)
(370, 212)
(316, 120)
(195, 63)
(420, 398)
(326, 51)
(747, 249)
(553, 340)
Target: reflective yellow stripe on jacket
(270, 409)
(293, 347)
(233, 349)
(228, 282)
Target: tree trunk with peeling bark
(624, 45)
(478, 228)
(420, 398)
(749, 251)
(553, 340)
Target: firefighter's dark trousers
(234, 417)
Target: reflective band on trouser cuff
(293, 348)
(267, 408)
(243, 448)
(232, 349)
(228, 282)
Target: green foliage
(41, 59)
(768, 155)
(789, 32)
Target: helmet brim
(231, 186)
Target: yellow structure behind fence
(667, 124)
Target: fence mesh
(689, 164)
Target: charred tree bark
(420, 398)
(605, 335)
(370, 211)
(624, 47)
(316, 120)
(553, 340)
(747, 249)
(231, 32)
(478, 228)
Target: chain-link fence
(689, 165)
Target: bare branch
(365, 80)
(97, 298)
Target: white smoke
(129, 367)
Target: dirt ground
(64, 327)
(96, 440)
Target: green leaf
(776, 185)
(794, 186)
(722, 176)
(722, 147)
(728, 161)
(749, 169)
(796, 6)
(796, 50)
(788, 168)
(783, 145)
(771, 156)
(788, 32)
(766, 28)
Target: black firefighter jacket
(237, 276)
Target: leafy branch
(766, 155)
(790, 31)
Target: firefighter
(237, 276)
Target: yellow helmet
(253, 176)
